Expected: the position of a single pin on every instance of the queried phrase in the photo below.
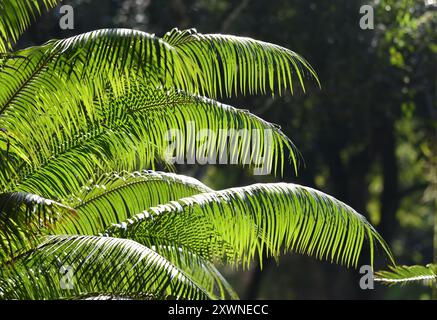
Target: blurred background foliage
(368, 137)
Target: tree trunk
(434, 188)
(433, 185)
(390, 195)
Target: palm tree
(81, 119)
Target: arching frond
(237, 223)
(67, 75)
(71, 266)
(230, 65)
(26, 109)
(407, 274)
(202, 271)
(115, 197)
(23, 217)
(62, 65)
(203, 131)
(132, 129)
(16, 16)
(173, 64)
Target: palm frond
(235, 224)
(407, 274)
(130, 129)
(173, 64)
(23, 104)
(230, 65)
(24, 217)
(115, 197)
(16, 16)
(202, 271)
(72, 141)
(72, 75)
(71, 266)
(188, 60)
(207, 130)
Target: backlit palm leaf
(408, 274)
(24, 217)
(231, 65)
(113, 52)
(202, 271)
(237, 223)
(16, 16)
(97, 264)
(115, 197)
(132, 131)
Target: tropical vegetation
(82, 158)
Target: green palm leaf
(98, 264)
(408, 274)
(115, 197)
(202, 271)
(130, 131)
(231, 65)
(24, 217)
(235, 224)
(16, 16)
(114, 52)
(210, 131)
(68, 74)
